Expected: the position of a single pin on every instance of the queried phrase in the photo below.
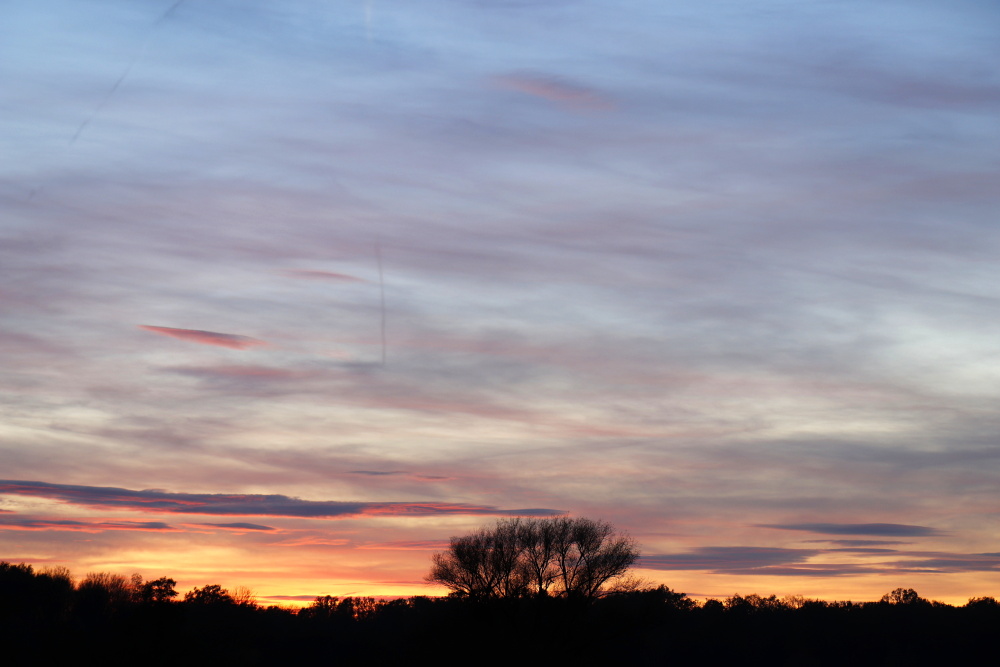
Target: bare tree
(484, 564)
(243, 596)
(115, 589)
(562, 556)
(59, 572)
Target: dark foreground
(46, 620)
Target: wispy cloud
(239, 526)
(554, 89)
(860, 543)
(795, 562)
(309, 274)
(884, 529)
(719, 559)
(239, 372)
(69, 525)
(245, 504)
(232, 341)
(377, 473)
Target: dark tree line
(531, 590)
(110, 619)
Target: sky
(292, 292)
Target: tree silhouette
(324, 606)
(905, 596)
(212, 594)
(243, 596)
(103, 593)
(568, 557)
(159, 590)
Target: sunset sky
(291, 292)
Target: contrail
(124, 75)
(107, 97)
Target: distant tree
(902, 596)
(713, 606)
(159, 590)
(243, 596)
(104, 590)
(212, 594)
(795, 601)
(562, 556)
(754, 603)
(983, 603)
(17, 585)
(366, 607)
(669, 598)
(58, 573)
(324, 606)
(654, 598)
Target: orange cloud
(206, 337)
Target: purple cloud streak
(244, 504)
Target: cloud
(322, 275)
(860, 543)
(239, 526)
(756, 561)
(826, 570)
(245, 504)
(232, 341)
(554, 90)
(69, 525)
(377, 473)
(886, 529)
(948, 562)
(726, 559)
(793, 562)
(242, 372)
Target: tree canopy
(563, 556)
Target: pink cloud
(206, 337)
(555, 90)
(309, 274)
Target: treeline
(48, 618)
